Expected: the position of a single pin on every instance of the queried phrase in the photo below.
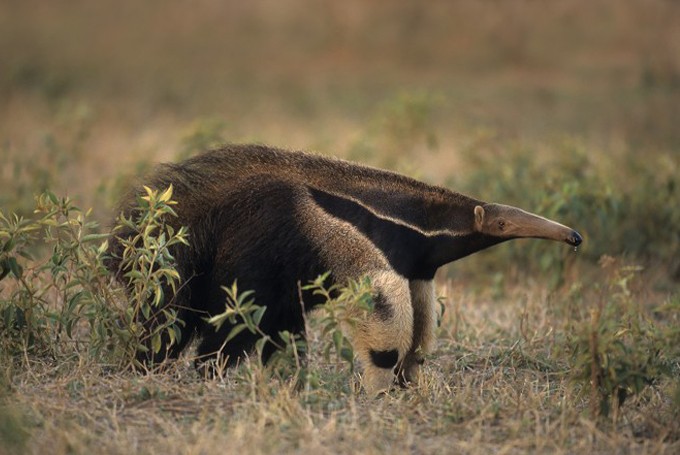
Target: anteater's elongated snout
(509, 222)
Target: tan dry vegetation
(493, 385)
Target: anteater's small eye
(501, 224)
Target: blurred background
(568, 109)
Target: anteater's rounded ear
(479, 217)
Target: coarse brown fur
(273, 218)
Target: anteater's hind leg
(424, 320)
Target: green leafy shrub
(149, 274)
(46, 300)
(56, 296)
(621, 350)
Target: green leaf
(15, 267)
(4, 270)
(219, 319)
(347, 354)
(92, 237)
(257, 315)
(337, 340)
(150, 194)
(156, 342)
(259, 345)
(7, 247)
(25, 255)
(328, 325)
(69, 328)
(134, 275)
(171, 335)
(167, 195)
(172, 274)
(235, 331)
(52, 197)
(245, 294)
(158, 297)
(149, 229)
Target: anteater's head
(506, 222)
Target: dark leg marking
(384, 359)
(382, 309)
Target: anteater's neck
(445, 248)
(413, 251)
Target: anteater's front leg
(384, 336)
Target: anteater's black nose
(574, 239)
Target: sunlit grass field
(567, 109)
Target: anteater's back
(209, 179)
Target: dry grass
(497, 383)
